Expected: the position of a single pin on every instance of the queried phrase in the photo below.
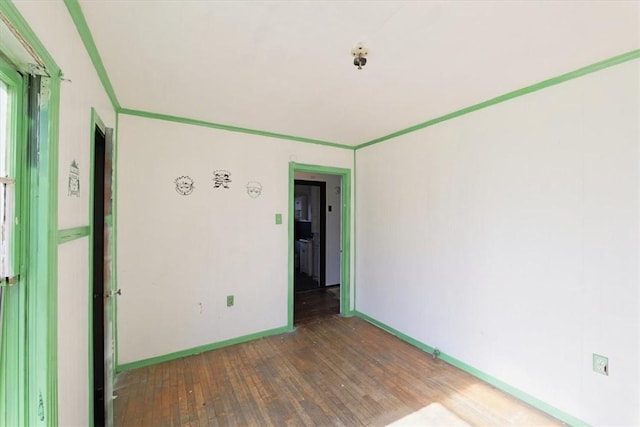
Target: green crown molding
(195, 122)
(535, 402)
(625, 57)
(87, 39)
(83, 29)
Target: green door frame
(96, 122)
(345, 234)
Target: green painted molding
(89, 44)
(195, 122)
(113, 223)
(85, 34)
(619, 59)
(114, 260)
(69, 234)
(533, 401)
(109, 286)
(38, 342)
(201, 349)
(51, 220)
(13, 375)
(355, 222)
(290, 245)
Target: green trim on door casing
(290, 248)
(96, 122)
(355, 245)
(200, 349)
(114, 259)
(69, 234)
(87, 39)
(537, 403)
(619, 59)
(229, 128)
(345, 238)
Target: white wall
(333, 226)
(180, 256)
(508, 238)
(53, 26)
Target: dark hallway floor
(316, 304)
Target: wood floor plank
(334, 372)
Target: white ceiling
(285, 66)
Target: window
(9, 85)
(28, 345)
(5, 183)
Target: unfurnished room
(322, 213)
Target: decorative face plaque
(184, 185)
(74, 179)
(221, 178)
(254, 189)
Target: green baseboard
(527, 398)
(200, 349)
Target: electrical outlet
(230, 301)
(600, 364)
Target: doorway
(98, 280)
(319, 241)
(310, 235)
(101, 294)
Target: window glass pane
(4, 129)
(6, 187)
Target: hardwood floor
(338, 372)
(311, 306)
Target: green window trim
(14, 84)
(12, 348)
(28, 391)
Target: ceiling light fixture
(359, 54)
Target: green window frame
(28, 352)
(12, 345)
